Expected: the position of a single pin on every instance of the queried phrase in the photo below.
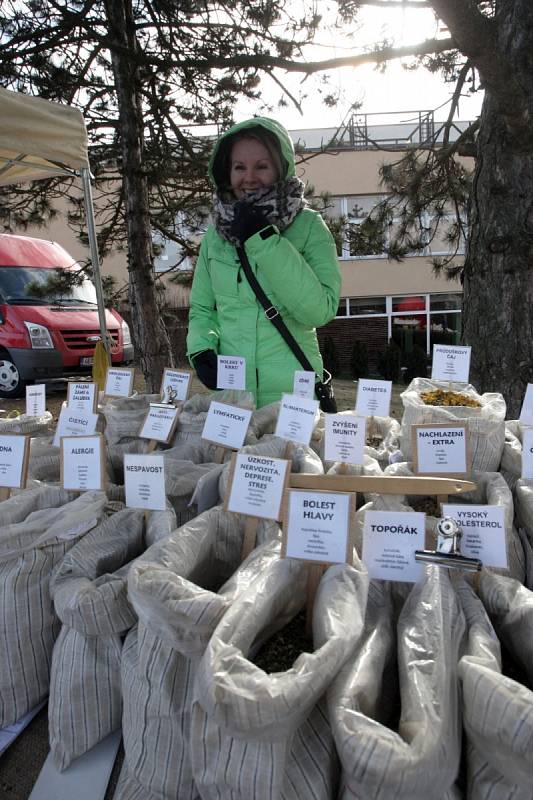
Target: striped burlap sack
(29, 551)
(89, 590)
(159, 525)
(486, 425)
(20, 505)
(511, 463)
(523, 502)
(497, 714)
(510, 607)
(28, 426)
(194, 413)
(181, 477)
(179, 592)
(491, 489)
(302, 458)
(420, 759)
(261, 736)
(124, 416)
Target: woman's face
(251, 167)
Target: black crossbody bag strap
(272, 313)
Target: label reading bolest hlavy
(226, 425)
(144, 481)
(450, 363)
(318, 526)
(390, 539)
(296, 418)
(483, 532)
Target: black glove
(247, 220)
(205, 364)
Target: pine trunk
(150, 338)
(498, 276)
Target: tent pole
(95, 258)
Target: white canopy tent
(40, 139)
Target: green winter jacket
(298, 270)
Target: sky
(394, 89)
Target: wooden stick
(152, 444)
(313, 579)
(220, 454)
(289, 450)
(343, 468)
(5, 491)
(441, 499)
(250, 536)
(383, 484)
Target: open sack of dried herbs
(483, 414)
(180, 588)
(259, 726)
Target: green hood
(281, 134)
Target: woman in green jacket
(259, 205)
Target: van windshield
(31, 286)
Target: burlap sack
(510, 607)
(29, 551)
(181, 477)
(159, 525)
(302, 458)
(173, 588)
(256, 735)
(18, 507)
(497, 714)
(194, 412)
(486, 425)
(124, 416)
(511, 463)
(491, 489)
(89, 591)
(421, 759)
(523, 499)
(28, 426)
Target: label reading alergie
(390, 539)
(82, 462)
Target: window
(363, 306)
(409, 303)
(446, 302)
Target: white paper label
(175, 385)
(296, 418)
(483, 532)
(74, 423)
(118, 383)
(345, 438)
(318, 526)
(159, 423)
(231, 372)
(373, 398)
(36, 400)
(450, 363)
(82, 396)
(527, 454)
(441, 450)
(82, 462)
(304, 383)
(390, 539)
(12, 450)
(144, 480)
(526, 412)
(226, 425)
(257, 486)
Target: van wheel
(11, 384)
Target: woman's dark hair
(222, 163)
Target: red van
(46, 334)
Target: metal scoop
(448, 553)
